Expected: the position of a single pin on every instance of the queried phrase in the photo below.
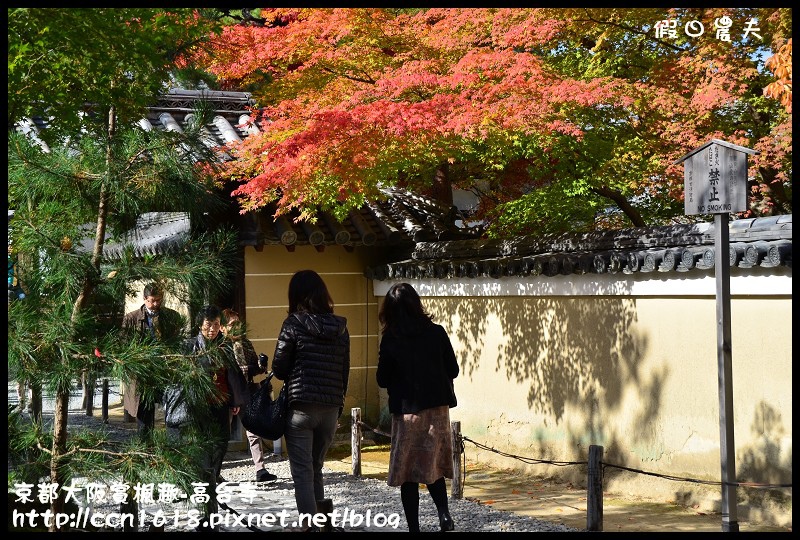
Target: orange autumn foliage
(585, 107)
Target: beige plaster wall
(545, 377)
(628, 365)
(267, 275)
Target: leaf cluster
(507, 100)
(73, 64)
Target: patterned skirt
(422, 447)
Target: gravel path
(363, 504)
(359, 494)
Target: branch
(346, 76)
(632, 30)
(96, 451)
(110, 453)
(36, 164)
(622, 202)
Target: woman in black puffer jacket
(312, 357)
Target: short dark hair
(152, 289)
(308, 293)
(402, 311)
(207, 313)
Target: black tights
(409, 495)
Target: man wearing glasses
(150, 322)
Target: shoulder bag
(264, 416)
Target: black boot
(409, 495)
(446, 522)
(438, 491)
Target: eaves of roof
(400, 220)
(155, 233)
(765, 242)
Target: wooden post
(88, 383)
(456, 488)
(715, 182)
(727, 448)
(130, 507)
(105, 400)
(123, 390)
(594, 490)
(355, 440)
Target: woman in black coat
(417, 365)
(312, 358)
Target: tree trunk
(622, 202)
(36, 402)
(442, 189)
(62, 396)
(88, 383)
(57, 469)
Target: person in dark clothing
(248, 360)
(150, 321)
(417, 365)
(184, 410)
(312, 357)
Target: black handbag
(264, 416)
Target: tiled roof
(400, 220)
(765, 242)
(155, 233)
(231, 113)
(171, 111)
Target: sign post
(715, 182)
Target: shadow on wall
(767, 461)
(584, 353)
(565, 349)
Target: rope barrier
(755, 485)
(374, 430)
(536, 461)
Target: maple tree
(780, 64)
(557, 118)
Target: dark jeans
(219, 425)
(309, 432)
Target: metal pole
(727, 448)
